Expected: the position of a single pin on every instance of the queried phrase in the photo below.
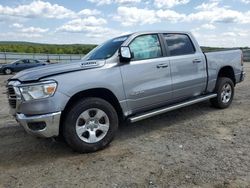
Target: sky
(217, 23)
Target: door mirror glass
(125, 54)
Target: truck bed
(217, 60)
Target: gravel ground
(197, 146)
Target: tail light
(242, 58)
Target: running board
(170, 108)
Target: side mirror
(125, 54)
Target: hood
(37, 73)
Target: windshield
(107, 49)
(14, 62)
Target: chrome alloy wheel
(8, 71)
(92, 125)
(226, 93)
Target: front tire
(90, 125)
(225, 93)
(7, 71)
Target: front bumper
(46, 125)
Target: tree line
(23, 47)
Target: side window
(179, 44)
(25, 61)
(146, 47)
(32, 61)
(20, 62)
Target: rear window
(179, 44)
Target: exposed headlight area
(38, 91)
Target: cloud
(213, 13)
(208, 6)
(89, 12)
(170, 15)
(236, 32)
(37, 9)
(236, 37)
(208, 26)
(20, 28)
(20, 36)
(84, 24)
(210, 12)
(127, 1)
(17, 25)
(101, 2)
(34, 30)
(91, 27)
(229, 34)
(104, 33)
(42, 9)
(245, 1)
(107, 2)
(241, 32)
(130, 16)
(169, 3)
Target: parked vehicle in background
(20, 65)
(131, 77)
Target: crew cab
(127, 78)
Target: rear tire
(225, 93)
(7, 71)
(90, 125)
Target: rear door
(34, 63)
(188, 66)
(28, 64)
(147, 79)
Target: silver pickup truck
(131, 77)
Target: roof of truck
(160, 31)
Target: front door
(147, 80)
(21, 65)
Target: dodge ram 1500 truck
(131, 77)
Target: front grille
(11, 96)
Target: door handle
(197, 61)
(162, 66)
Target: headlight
(38, 91)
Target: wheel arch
(228, 72)
(102, 93)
